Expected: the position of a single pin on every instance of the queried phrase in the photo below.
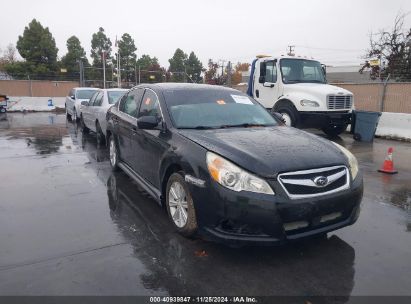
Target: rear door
(92, 111)
(127, 124)
(85, 110)
(70, 101)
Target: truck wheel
(334, 130)
(289, 113)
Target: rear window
(85, 94)
(214, 109)
(113, 96)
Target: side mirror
(324, 68)
(84, 103)
(279, 116)
(261, 79)
(147, 122)
(72, 97)
(269, 84)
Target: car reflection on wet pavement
(69, 226)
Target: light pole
(104, 69)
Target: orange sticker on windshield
(147, 102)
(220, 102)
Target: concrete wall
(36, 88)
(37, 104)
(394, 125)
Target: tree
(38, 47)
(237, 76)
(75, 53)
(394, 48)
(100, 44)
(178, 66)
(194, 68)
(8, 56)
(127, 50)
(212, 76)
(150, 69)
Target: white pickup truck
(297, 88)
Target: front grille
(338, 102)
(315, 182)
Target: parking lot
(69, 226)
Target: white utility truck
(297, 88)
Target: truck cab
(297, 88)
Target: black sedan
(225, 168)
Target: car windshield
(113, 96)
(85, 94)
(205, 108)
(301, 71)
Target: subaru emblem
(321, 181)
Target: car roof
(186, 86)
(85, 88)
(115, 89)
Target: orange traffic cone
(388, 165)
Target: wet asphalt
(69, 226)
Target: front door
(266, 84)
(149, 145)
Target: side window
(90, 103)
(98, 100)
(271, 71)
(150, 105)
(130, 101)
(122, 101)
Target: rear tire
(99, 134)
(334, 130)
(113, 153)
(74, 116)
(289, 112)
(180, 205)
(84, 129)
(67, 113)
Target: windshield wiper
(243, 125)
(198, 128)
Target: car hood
(315, 89)
(268, 151)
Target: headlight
(232, 177)
(309, 103)
(351, 160)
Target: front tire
(113, 153)
(289, 113)
(334, 130)
(180, 205)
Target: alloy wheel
(113, 153)
(178, 204)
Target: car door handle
(134, 130)
(257, 93)
(115, 121)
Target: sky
(334, 32)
